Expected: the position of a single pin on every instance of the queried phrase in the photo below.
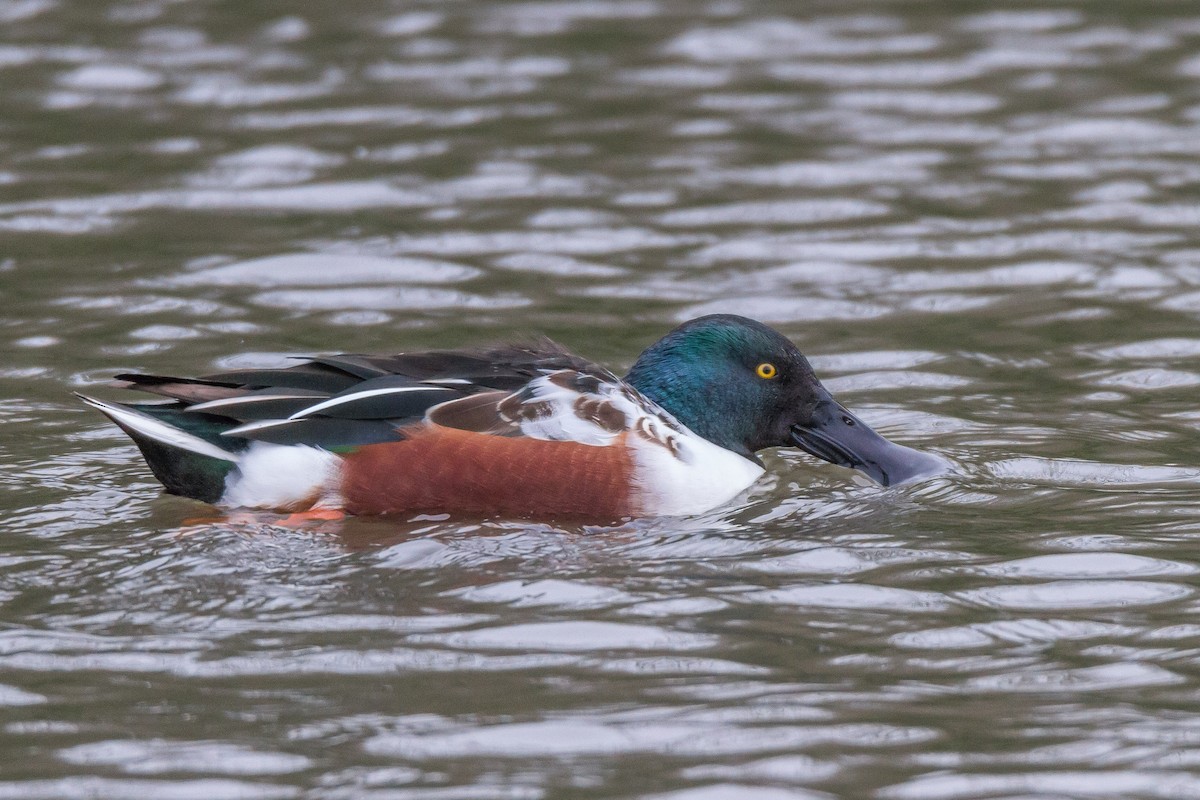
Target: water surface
(981, 224)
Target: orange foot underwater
(314, 515)
(297, 519)
(525, 431)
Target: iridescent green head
(744, 386)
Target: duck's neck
(694, 393)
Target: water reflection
(979, 223)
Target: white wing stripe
(334, 402)
(230, 402)
(250, 427)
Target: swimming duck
(518, 430)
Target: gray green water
(983, 225)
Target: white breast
(691, 477)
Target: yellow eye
(766, 370)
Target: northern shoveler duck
(514, 430)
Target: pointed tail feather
(184, 463)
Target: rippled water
(981, 224)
